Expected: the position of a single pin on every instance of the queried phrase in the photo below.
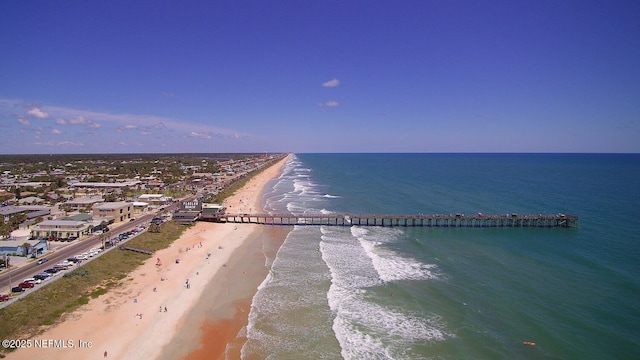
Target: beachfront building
(189, 212)
(210, 212)
(118, 211)
(186, 217)
(60, 229)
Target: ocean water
(454, 293)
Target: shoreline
(146, 315)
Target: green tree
(26, 246)
(154, 228)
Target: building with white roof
(60, 229)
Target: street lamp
(9, 270)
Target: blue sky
(319, 76)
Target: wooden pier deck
(143, 251)
(391, 220)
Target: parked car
(43, 260)
(17, 289)
(52, 271)
(64, 265)
(33, 280)
(4, 297)
(41, 276)
(26, 285)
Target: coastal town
(159, 261)
(54, 201)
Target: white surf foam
(390, 265)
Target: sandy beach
(145, 317)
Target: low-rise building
(140, 207)
(16, 247)
(120, 211)
(156, 200)
(210, 212)
(31, 212)
(60, 229)
(186, 217)
(84, 202)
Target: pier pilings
(393, 220)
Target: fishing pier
(451, 220)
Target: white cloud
(37, 113)
(328, 104)
(126, 127)
(64, 143)
(331, 83)
(56, 132)
(78, 120)
(68, 143)
(107, 125)
(200, 135)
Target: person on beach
(105, 354)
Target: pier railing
(391, 220)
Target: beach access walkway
(391, 220)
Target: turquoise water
(454, 293)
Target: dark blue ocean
(454, 293)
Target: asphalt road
(16, 275)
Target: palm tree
(26, 246)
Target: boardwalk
(391, 220)
(143, 251)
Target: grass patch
(97, 292)
(83, 300)
(46, 306)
